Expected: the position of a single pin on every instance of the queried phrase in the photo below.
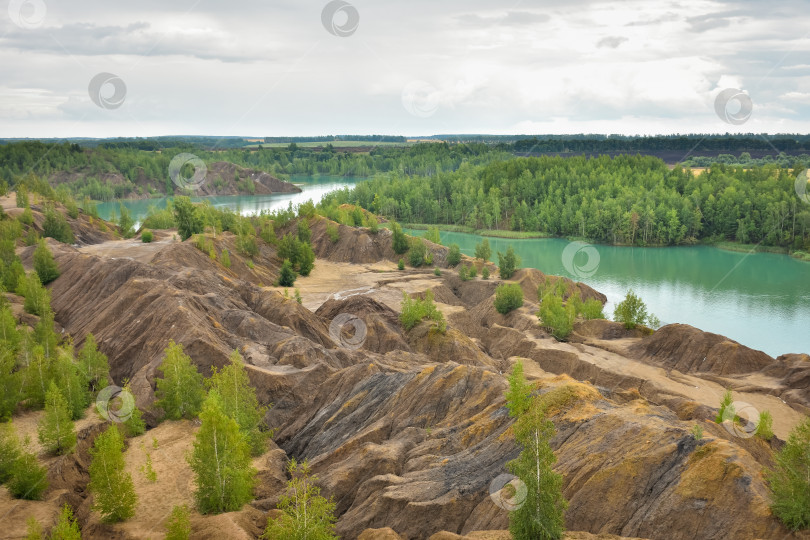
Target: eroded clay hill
(407, 430)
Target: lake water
(761, 300)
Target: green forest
(631, 200)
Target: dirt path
(132, 248)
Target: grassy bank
(493, 233)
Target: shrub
(125, 222)
(306, 259)
(55, 429)
(765, 426)
(416, 255)
(592, 309)
(485, 273)
(246, 244)
(27, 216)
(178, 527)
(66, 527)
(432, 234)
(508, 263)
(146, 236)
(37, 298)
(56, 226)
(415, 310)
(305, 514)
(464, 272)
(401, 264)
(187, 217)
(472, 271)
(726, 410)
(697, 432)
(399, 241)
(790, 479)
(437, 272)
(333, 233)
(508, 297)
(633, 312)
(558, 319)
(483, 251)
(28, 480)
(44, 264)
(225, 258)
(304, 233)
(373, 224)
(453, 255)
(287, 275)
(180, 391)
(298, 296)
(112, 487)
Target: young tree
(179, 525)
(71, 382)
(519, 395)
(508, 297)
(399, 241)
(726, 411)
(483, 251)
(125, 221)
(287, 275)
(180, 391)
(9, 382)
(36, 377)
(306, 514)
(37, 297)
(10, 450)
(66, 528)
(508, 263)
(540, 517)
(33, 529)
(416, 255)
(306, 259)
(56, 430)
(790, 479)
(112, 487)
(239, 401)
(188, 218)
(557, 318)
(453, 255)
(221, 461)
(304, 232)
(432, 234)
(44, 263)
(94, 365)
(633, 312)
(19, 468)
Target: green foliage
(267, 232)
(246, 244)
(304, 232)
(112, 487)
(633, 312)
(44, 263)
(765, 426)
(71, 382)
(160, 219)
(416, 255)
(56, 226)
(472, 271)
(519, 395)
(556, 317)
(332, 232)
(540, 516)
(36, 378)
(147, 236)
(72, 208)
(180, 391)
(178, 527)
(508, 297)
(306, 259)
(10, 451)
(33, 529)
(298, 296)
(238, 401)
(432, 234)
(464, 272)
(592, 309)
(37, 298)
(93, 365)
(221, 461)
(27, 216)
(399, 241)
(148, 470)
(55, 429)
(697, 432)
(9, 378)
(286, 276)
(306, 210)
(415, 310)
(22, 196)
(437, 272)
(306, 515)
(508, 263)
(187, 217)
(483, 251)
(401, 265)
(125, 221)
(485, 273)
(453, 255)
(225, 258)
(790, 479)
(726, 410)
(19, 469)
(66, 527)
(373, 224)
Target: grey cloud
(511, 18)
(611, 41)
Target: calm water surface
(761, 300)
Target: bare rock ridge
(407, 430)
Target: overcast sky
(415, 67)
